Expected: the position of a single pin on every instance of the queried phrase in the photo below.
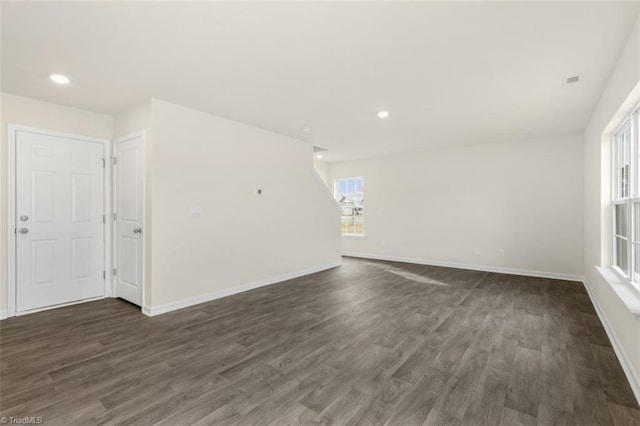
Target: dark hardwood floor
(367, 343)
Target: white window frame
(631, 199)
(336, 183)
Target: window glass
(350, 195)
(623, 165)
(621, 219)
(622, 259)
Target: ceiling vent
(572, 81)
(319, 149)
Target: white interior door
(129, 193)
(59, 220)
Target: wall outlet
(259, 191)
(501, 252)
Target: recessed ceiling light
(383, 114)
(59, 78)
(306, 129)
(319, 156)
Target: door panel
(82, 198)
(81, 255)
(44, 260)
(129, 175)
(59, 209)
(128, 260)
(43, 196)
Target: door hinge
(114, 216)
(114, 272)
(104, 275)
(104, 163)
(104, 219)
(115, 161)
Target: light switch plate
(195, 211)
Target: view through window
(350, 195)
(626, 199)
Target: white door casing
(129, 217)
(58, 205)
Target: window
(350, 195)
(626, 199)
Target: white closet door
(129, 184)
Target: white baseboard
(484, 268)
(4, 314)
(147, 310)
(632, 376)
(184, 303)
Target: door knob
(137, 231)
(24, 218)
(23, 230)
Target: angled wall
(241, 238)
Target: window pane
(622, 161)
(622, 260)
(624, 181)
(622, 226)
(636, 222)
(635, 244)
(636, 262)
(624, 149)
(350, 196)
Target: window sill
(629, 295)
(354, 237)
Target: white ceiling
(449, 73)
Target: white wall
(202, 160)
(133, 120)
(322, 169)
(524, 197)
(43, 115)
(197, 159)
(597, 210)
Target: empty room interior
(336, 213)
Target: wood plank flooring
(368, 343)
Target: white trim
(12, 130)
(143, 135)
(108, 282)
(627, 127)
(485, 268)
(335, 197)
(632, 376)
(622, 287)
(3, 314)
(11, 221)
(184, 303)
